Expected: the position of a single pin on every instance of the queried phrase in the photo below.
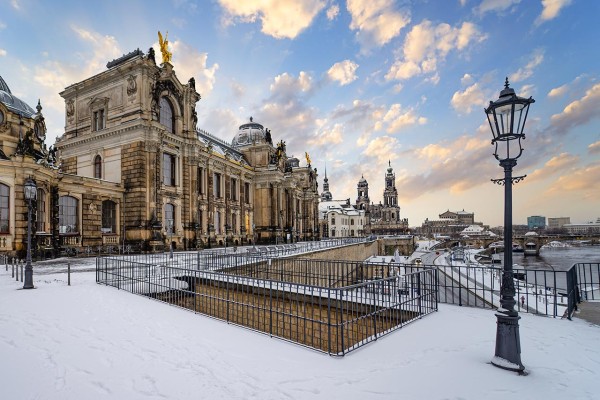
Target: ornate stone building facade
(133, 169)
(383, 218)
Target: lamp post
(507, 117)
(30, 190)
(170, 226)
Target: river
(560, 258)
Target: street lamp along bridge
(507, 117)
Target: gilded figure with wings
(164, 47)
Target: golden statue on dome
(164, 47)
(307, 158)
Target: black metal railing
(291, 300)
(544, 292)
(587, 279)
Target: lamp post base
(508, 348)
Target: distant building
(536, 222)
(450, 222)
(585, 228)
(558, 222)
(340, 219)
(383, 218)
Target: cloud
(577, 112)
(382, 148)
(426, 46)
(376, 22)
(286, 86)
(466, 79)
(471, 97)
(333, 11)
(558, 92)
(397, 118)
(2, 25)
(189, 62)
(551, 9)
(2, 53)
(458, 165)
(281, 19)
(497, 6)
(583, 181)
(557, 164)
(525, 72)
(344, 72)
(15, 4)
(594, 148)
(327, 137)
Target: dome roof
(250, 133)
(13, 103)
(362, 181)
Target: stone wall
(351, 252)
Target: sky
(357, 84)
(96, 342)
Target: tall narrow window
(170, 218)
(41, 211)
(68, 221)
(234, 196)
(247, 192)
(169, 169)
(4, 208)
(217, 186)
(166, 114)
(200, 180)
(98, 167)
(233, 224)
(109, 217)
(218, 222)
(98, 120)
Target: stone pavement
(588, 311)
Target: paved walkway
(588, 311)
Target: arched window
(41, 210)
(166, 114)
(68, 221)
(170, 218)
(109, 216)
(4, 208)
(98, 167)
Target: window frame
(4, 209)
(166, 115)
(169, 210)
(98, 167)
(63, 202)
(109, 219)
(169, 179)
(40, 220)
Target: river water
(561, 258)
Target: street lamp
(30, 190)
(507, 117)
(170, 226)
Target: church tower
(390, 194)
(326, 194)
(363, 201)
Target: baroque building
(383, 218)
(132, 169)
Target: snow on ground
(88, 341)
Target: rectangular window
(4, 209)
(234, 189)
(200, 180)
(41, 211)
(68, 215)
(247, 192)
(109, 217)
(217, 186)
(98, 120)
(218, 223)
(168, 169)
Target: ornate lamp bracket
(514, 179)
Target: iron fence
(544, 292)
(358, 307)
(587, 279)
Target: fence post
(69, 273)
(17, 273)
(21, 272)
(12, 264)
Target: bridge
(531, 243)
